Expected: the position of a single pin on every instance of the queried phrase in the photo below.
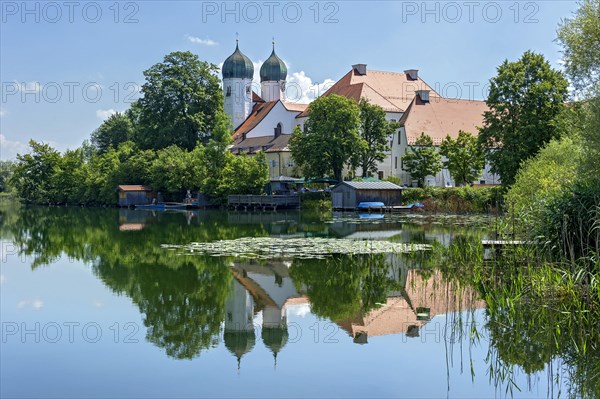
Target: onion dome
(237, 65)
(239, 343)
(273, 69)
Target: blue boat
(370, 205)
(163, 207)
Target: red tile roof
(442, 116)
(256, 98)
(264, 143)
(259, 111)
(393, 91)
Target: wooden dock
(263, 201)
(503, 243)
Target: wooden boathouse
(348, 194)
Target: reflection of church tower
(274, 329)
(273, 73)
(239, 334)
(238, 72)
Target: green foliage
(34, 173)
(331, 139)
(113, 131)
(7, 170)
(456, 199)
(180, 102)
(341, 288)
(422, 160)
(375, 131)
(580, 38)
(175, 170)
(464, 156)
(541, 179)
(570, 225)
(524, 100)
(242, 174)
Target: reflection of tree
(182, 297)
(183, 305)
(341, 286)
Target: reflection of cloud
(35, 304)
(3, 112)
(2, 278)
(98, 304)
(300, 310)
(203, 42)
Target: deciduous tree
(464, 157)
(331, 139)
(179, 103)
(376, 131)
(422, 160)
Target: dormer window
(278, 130)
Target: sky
(65, 66)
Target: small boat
(370, 205)
(164, 206)
(370, 216)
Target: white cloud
(98, 304)
(35, 304)
(105, 113)
(2, 278)
(9, 148)
(202, 42)
(3, 112)
(301, 88)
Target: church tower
(238, 72)
(273, 73)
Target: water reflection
(191, 304)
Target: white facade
(238, 99)
(272, 90)
(278, 115)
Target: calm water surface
(93, 306)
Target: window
(399, 137)
(380, 174)
(392, 120)
(228, 94)
(278, 130)
(395, 162)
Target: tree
(113, 131)
(331, 138)
(375, 130)
(34, 173)
(580, 38)
(242, 174)
(464, 157)
(524, 99)
(181, 98)
(176, 170)
(422, 160)
(7, 169)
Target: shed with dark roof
(348, 194)
(134, 194)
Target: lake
(116, 303)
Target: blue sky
(65, 66)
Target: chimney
(361, 69)
(413, 74)
(423, 95)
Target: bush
(455, 199)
